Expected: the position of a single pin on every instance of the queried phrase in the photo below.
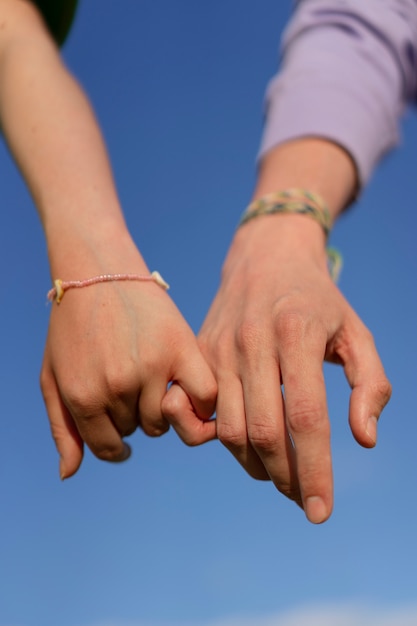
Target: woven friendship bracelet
(61, 286)
(334, 263)
(290, 201)
(304, 203)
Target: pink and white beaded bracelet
(61, 286)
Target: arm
(331, 113)
(277, 316)
(348, 71)
(112, 348)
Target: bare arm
(276, 317)
(112, 348)
(346, 74)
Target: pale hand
(112, 349)
(276, 317)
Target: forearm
(313, 164)
(55, 140)
(112, 349)
(346, 75)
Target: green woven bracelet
(290, 201)
(302, 202)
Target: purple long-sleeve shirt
(349, 68)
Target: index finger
(180, 413)
(197, 380)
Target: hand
(111, 351)
(275, 318)
(112, 348)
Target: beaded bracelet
(301, 202)
(61, 286)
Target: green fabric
(58, 15)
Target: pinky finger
(180, 413)
(366, 404)
(371, 389)
(68, 442)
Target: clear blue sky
(180, 536)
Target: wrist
(278, 239)
(107, 248)
(317, 165)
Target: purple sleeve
(348, 69)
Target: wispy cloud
(340, 615)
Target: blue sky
(180, 536)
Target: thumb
(64, 432)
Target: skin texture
(276, 317)
(112, 348)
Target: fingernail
(127, 451)
(62, 470)
(124, 455)
(315, 509)
(371, 429)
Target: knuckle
(119, 380)
(154, 427)
(171, 407)
(108, 452)
(59, 434)
(230, 436)
(354, 337)
(222, 351)
(306, 417)
(81, 400)
(360, 340)
(382, 390)
(262, 436)
(249, 335)
(290, 326)
(208, 393)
